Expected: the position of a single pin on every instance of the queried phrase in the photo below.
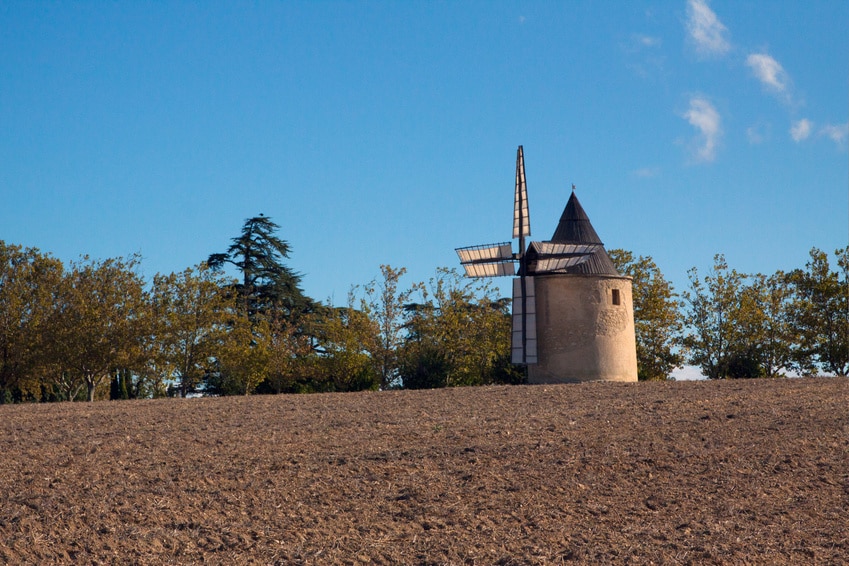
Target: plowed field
(742, 472)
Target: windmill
(539, 258)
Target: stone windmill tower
(573, 314)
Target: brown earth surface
(731, 472)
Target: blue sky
(386, 132)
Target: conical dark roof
(575, 228)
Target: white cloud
(801, 129)
(646, 172)
(706, 31)
(836, 132)
(705, 118)
(770, 72)
(646, 40)
(758, 133)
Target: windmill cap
(574, 226)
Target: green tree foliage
(820, 310)
(383, 303)
(27, 283)
(343, 361)
(715, 337)
(657, 316)
(765, 322)
(95, 328)
(272, 302)
(266, 282)
(243, 356)
(762, 326)
(290, 355)
(190, 311)
(458, 334)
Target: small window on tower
(616, 299)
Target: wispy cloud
(645, 55)
(758, 133)
(704, 117)
(771, 74)
(645, 40)
(646, 172)
(801, 130)
(707, 33)
(838, 133)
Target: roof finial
(573, 188)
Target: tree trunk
(91, 384)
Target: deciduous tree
(346, 338)
(820, 310)
(765, 324)
(243, 356)
(712, 319)
(459, 334)
(28, 282)
(191, 310)
(657, 315)
(383, 303)
(95, 324)
(290, 349)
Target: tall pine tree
(265, 283)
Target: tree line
(96, 329)
(736, 325)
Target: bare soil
(742, 472)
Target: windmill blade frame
(488, 260)
(496, 260)
(521, 212)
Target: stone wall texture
(582, 334)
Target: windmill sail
(486, 252)
(521, 216)
(493, 260)
(524, 349)
(488, 260)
